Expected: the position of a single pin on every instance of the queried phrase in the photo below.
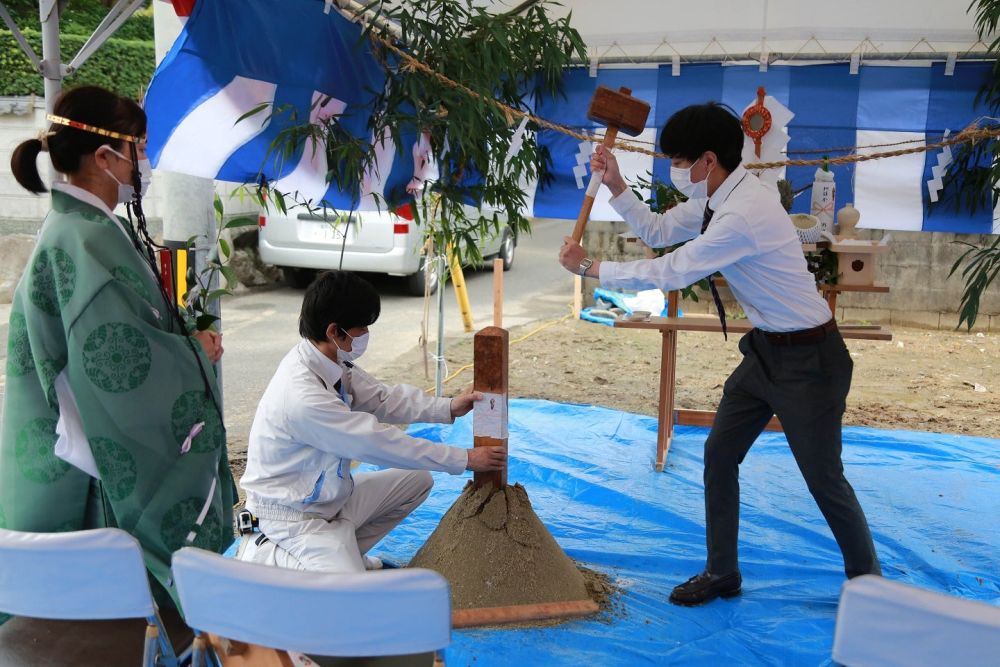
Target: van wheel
(427, 273)
(508, 245)
(298, 278)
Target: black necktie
(711, 279)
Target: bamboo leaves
(973, 177)
(982, 265)
(488, 62)
(200, 300)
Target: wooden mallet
(619, 111)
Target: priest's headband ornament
(77, 125)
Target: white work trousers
(379, 502)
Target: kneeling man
(320, 413)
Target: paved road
(260, 327)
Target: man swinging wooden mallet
(795, 364)
(618, 110)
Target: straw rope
(848, 149)
(971, 134)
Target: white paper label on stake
(489, 417)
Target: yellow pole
(461, 294)
(182, 258)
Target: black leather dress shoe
(705, 587)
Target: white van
(376, 241)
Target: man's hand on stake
(487, 459)
(462, 404)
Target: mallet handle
(588, 199)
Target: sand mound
(495, 552)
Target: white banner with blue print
(305, 62)
(903, 106)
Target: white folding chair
(86, 575)
(382, 613)
(883, 623)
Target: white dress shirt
(316, 417)
(751, 241)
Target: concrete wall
(20, 118)
(915, 268)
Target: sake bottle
(824, 197)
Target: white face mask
(145, 176)
(358, 346)
(125, 190)
(681, 178)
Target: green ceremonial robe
(89, 305)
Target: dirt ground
(941, 381)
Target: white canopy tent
(633, 31)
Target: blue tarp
(932, 500)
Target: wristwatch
(585, 264)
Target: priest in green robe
(111, 409)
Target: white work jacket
(316, 417)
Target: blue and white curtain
(236, 54)
(833, 109)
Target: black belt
(801, 337)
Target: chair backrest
(82, 575)
(882, 622)
(390, 612)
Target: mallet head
(619, 109)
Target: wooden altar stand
(669, 327)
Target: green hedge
(81, 17)
(124, 66)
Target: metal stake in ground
(489, 425)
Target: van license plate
(321, 232)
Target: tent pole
(773, 57)
(117, 15)
(439, 357)
(19, 36)
(51, 68)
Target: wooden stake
(522, 613)
(577, 296)
(490, 357)
(498, 292)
